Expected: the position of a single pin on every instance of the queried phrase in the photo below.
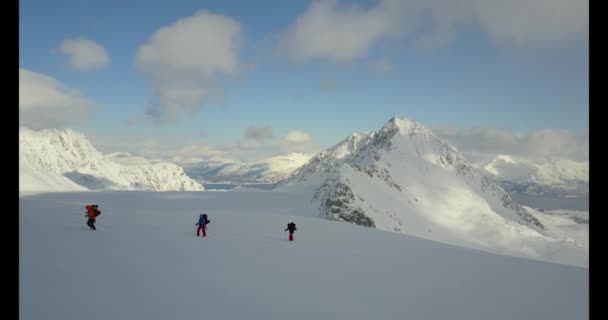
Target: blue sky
(523, 74)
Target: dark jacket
(202, 219)
(291, 227)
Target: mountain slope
(35, 179)
(403, 178)
(66, 158)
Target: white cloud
(296, 136)
(297, 141)
(182, 149)
(256, 144)
(194, 153)
(84, 54)
(484, 144)
(182, 61)
(558, 143)
(509, 167)
(335, 33)
(344, 32)
(525, 22)
(46, 103)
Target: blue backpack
(202, 219)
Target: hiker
(202, 223)
(291, 227)
(92, 213)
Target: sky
(253, 79)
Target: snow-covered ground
(569, 225)
(144, 262)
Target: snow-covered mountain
(269, 170)
(65, 160)
(404, 178)
(128, 159)
(559, 177)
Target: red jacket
(92, 212)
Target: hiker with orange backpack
(92, 213)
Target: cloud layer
(484, 144)
(46, 103)
(84, 54)
(297, 141)
(181, 62)
(256, 143)
(255, 138)
(343, 32)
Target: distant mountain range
(65, 160)
(269, 170)
(555, 177)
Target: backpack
(95, 209)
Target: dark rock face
(337, 203)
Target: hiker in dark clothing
(202, 223)
(92, 213)
(291, 227)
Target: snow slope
(569, 225)
(64, 160)
(128, 159)
(403, 178)
(34, 179)
(144, 262)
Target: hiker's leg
(198, 230)
(91, 223)
(204, 231)
(291, 236)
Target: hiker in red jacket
(92, 213)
